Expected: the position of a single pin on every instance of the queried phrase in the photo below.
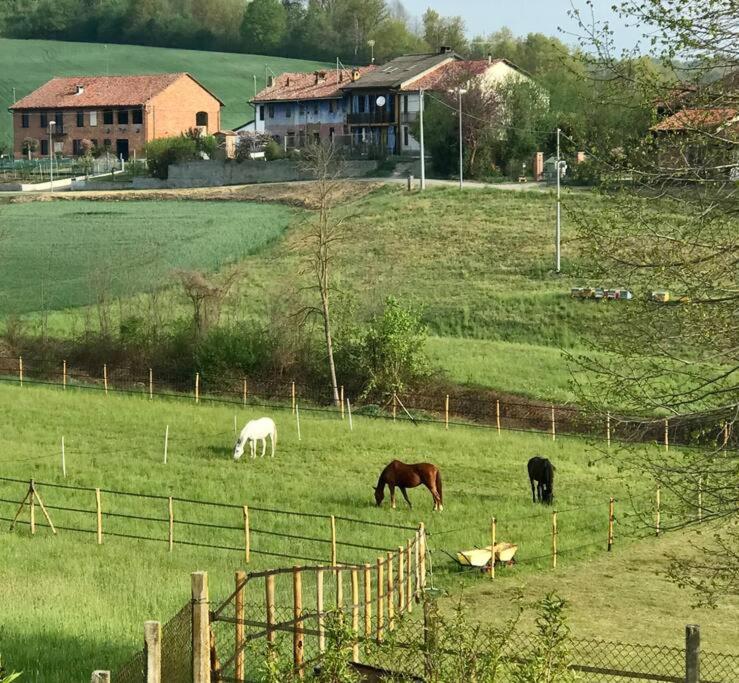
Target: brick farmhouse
(119, 113)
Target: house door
(121, 148)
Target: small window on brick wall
(137, 116)
(108, 117)
(25, 120)
(80, 119)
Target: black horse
(541, 471)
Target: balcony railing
(371, 118)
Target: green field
(27, 64)
(69, 590)
(62, 255)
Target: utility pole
(51, 155)
(423, 149)
(558, 231)
(461, 159)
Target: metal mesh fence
(438, 404)
(176, 653)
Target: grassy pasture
(27, 64)
(70, 593)
(62, 255)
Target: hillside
(26, 64)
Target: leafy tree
(163, 152)
(30, 145)
(671, 221)
(393, 353)
(264, 26)
(444, 31)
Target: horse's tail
(438, 485)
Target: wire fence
(449, 406)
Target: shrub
(161, 153)
(273, 151)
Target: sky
(524, 16)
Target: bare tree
(324, 162)
(206, 296)
(670, 222)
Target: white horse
(256, 429)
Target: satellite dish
(380, 101)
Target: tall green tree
(264, 26)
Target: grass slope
(73, 595)
(61, 255)
(27, 64)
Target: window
(301, 109)
(405, 103)
(43, 119)
(25, 120)
(261, 113)
(94, 142)
(108, 117)
(201, 118)
(80, 119)
(137, 117)
(44, 148)
(93, 118)
(76, 148)
(271, 111)
(289, 110)
(59, 120)
(331, 106)
(362, 104)
(316, 105)
(405, 136)
(107, 144)
(331, 134)
(123, 116)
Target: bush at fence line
(6, 677)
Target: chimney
(355, 74)
(79, 89)
(288, 82)
(445, 50)
(270, 81)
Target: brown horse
(407, 477)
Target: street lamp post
(558, 230)
(51, 155)
(459, 92)
(371, 43)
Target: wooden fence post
(243, 400)
(409, 575)
(319, 610)
(417, 552)
(608, 429)
(355, 613)
(422, 553)
(349, 413)
(100, 677)
(493, 531)
(367, 601)
(99, 514)
(292, 395)
(20, 370)
(554, 539)
(269, 586)
(700, 499)
(339, 591)
(153, 651)
(380, 598)
(240, 581)
(297, 419)
(395, 405)
(298, 644)
(64, 374)
(64, 461)
(657, 512)
(497, 415)
(247, 536)
(151, 384)
(610, 523)
(554, 425)
(446, 412)
(166, 443)
(333, 541)
(200, 628)
(401, 579)
(171, 524)
(390, 594)
(197, 387)
(692, 653)
(105, 378)
(341, 401)
(667, 434)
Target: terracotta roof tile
(698, 119)
(450, 72)
(98, 91)
(316, 85)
